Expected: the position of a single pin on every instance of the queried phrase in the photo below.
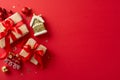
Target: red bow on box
(33, 53)
(10, 27)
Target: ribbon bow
(10, 27)
(33, 52)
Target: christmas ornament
(37, 23)
(26, 11)
(4, 69)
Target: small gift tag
(13, 61)
(37, 24)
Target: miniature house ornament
(37, 23)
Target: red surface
(83, 40)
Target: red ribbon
(10, 27)
(33, 52)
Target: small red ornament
(26, 11)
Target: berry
(10, 12)
(4, 11)
(0, 9)
(1, 15)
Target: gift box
(32, 51)
(11, 29)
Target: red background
(83, 40)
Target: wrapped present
(12, 29)
(33, 52)
(37, 23)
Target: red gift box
(33, 52)
(12, 29)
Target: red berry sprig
(4, 13)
